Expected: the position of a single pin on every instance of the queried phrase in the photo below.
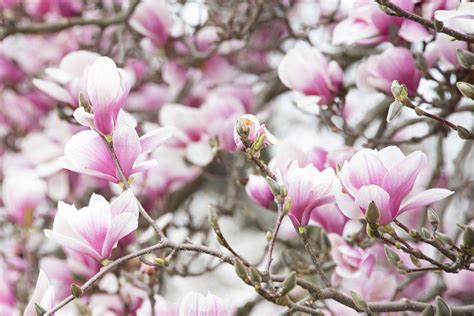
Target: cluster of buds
(249, 133)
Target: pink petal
(379, 196)
(42, 286)
(150, 141)
(400, 178)
(413, 32)
(424, 198)
(126, 202)
(54, 90)
(127, 148)
(122, 225)
(346, 205)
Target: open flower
(95, 229)
(69, 79)
(379, 71)
(88, 152)
(197, 304)
(153, 20)
(258, 190)
(305, 70)
(249, 126)
(308, 189)
(43, 295)
(387, 178)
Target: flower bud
(428, 311)
(287, 205)
(40, 311)
(399, 91)
(465, 58)
(359, 301)
(438, 25)
(283, 300)
(241, 270)
(372, 214)
(259, 143)
(394, 110)
(76, 290)
(162, 262)
(242, 127)
(255, 275)
(415, 261)
(466, 89)
(425, 233)
(463, 133)
(444, 238)
(392, 256)
(288, 284)
(84, 102)
(269, 235)
(212, 218)
(433, 218)
(468, 237)
(442, 308)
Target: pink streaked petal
(127, 148)
(400, 179)
(150, 141)
(73, 244)
(424, 198)
(83, 118)
(144, 166)
(390, 156)
(54, 90)
(413, 32)
(67, 164)
(126, 202)
(379, 196)
(42, 286)
(122, 225)
(347, 205)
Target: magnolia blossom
(306, 70)
(153, 20)
(378, 71)
(88, 152)
(350, 261)
(251, 127)
(330, 218)
(387, 178)
(308, 189)
(367, 24)
(194, 304)
(43, 295)
(107, 88)
(23, 191)
(461, 19)
(95, 229)
(258, 190)
(69, 79)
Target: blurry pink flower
(308, 189)
(305, 70)
(22, 193)
(330, 218)
(387, 178)
(257, 189)
(7, 4)
(38, 8)
(367, 24)
(376, 286)
(255, 130)
(43, 295)
(378, 71)
(59, 275)
(443, 49)
(69, 8)
(10, 73)
(428, 7)
(95, 229)
(87, 152)
(460, 19)
(459, 285)
(7, 291)
(69, 79)
(350, 261)
(153, 20)
(196, 304)
(107, 88)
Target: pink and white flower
(153, 20)
(194, 304)
(255, 131)
(308, 189)
(378, 71)
(43, 295)
(306, 70)
(258, 190)
(88, 152)
(386, 177)
(95, 229)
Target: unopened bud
(444, 238)
(428, 311)
(438, 25)
(468, 237)
(287, 205)
(283, 300)
(415, 261)
(76, 290)
(40, 311)
(274, 186)
(212, 218)
(371, 232)
(283, 191)
(259, 143)
(255, 275)
(242, 128)
(419, 111)
(433, 218)
(465, 58)
(288, 284)
(359, 301)
(466, 89)
(241, 270)
(399, 91)
(391, 255)
(425, 233)
(413, 234)
(463, 133)
(84, 102)
(372, 214)
(394, 110)
(301, 230)
(442, 308)
(162, 262)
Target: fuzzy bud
(162, 262)
(287, 206)
(288, 284)
(465, 58)
(392, 256)
(255, 275)
(399, 91)
(242, 127)
(438, 25)
(359, 301)
(415, 261)
(40, 311)
(372, 214)
(394, 110)
(428, 311)
(76, 290)
(442, 308)
(433, 218)
(463, 133)
(269, 235)
(241, 270)
(466, 89)
(468, 237)
(274, 186)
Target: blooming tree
(221, 158)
